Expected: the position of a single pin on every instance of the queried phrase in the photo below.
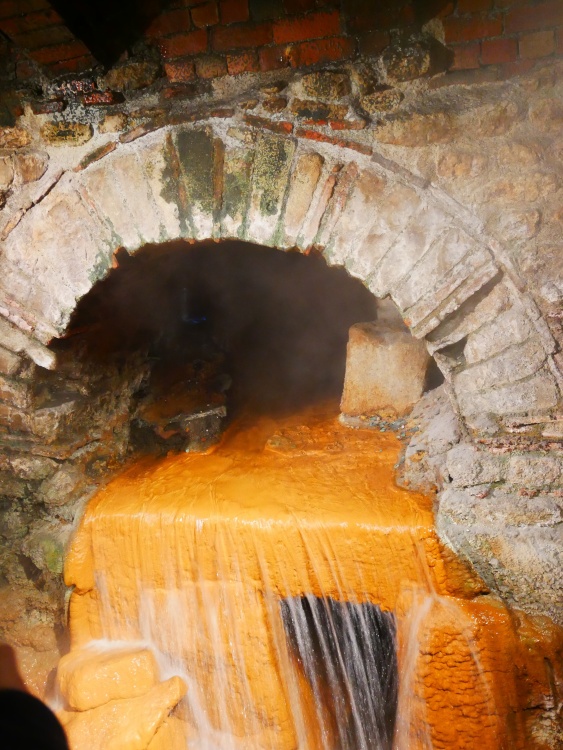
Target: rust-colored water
(192, 555)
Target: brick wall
(204, 40)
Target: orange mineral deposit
(300, 596)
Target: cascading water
(300, 595)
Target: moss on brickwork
(271, 169)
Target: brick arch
(399, 236)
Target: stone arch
(400, 236)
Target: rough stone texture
(385, 371)
(66, 133)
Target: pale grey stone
(467, 466)
(534, 471)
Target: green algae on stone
(271, 171)
(236, 189)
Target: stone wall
(444, 196)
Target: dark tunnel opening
(274, 324)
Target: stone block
(15, 392)
(195, 169)
(419, 130)
(9, 362)
(345, 179)
(381, 99)
(455, 163)
(19, 342)
(511, 326)
(354, 222)
(304, 179)
(62, 486)
(326, 85)
(6, 172)
(133, 75)
(313, 110)
(467, 466)
(512, 364)
(534, 471)
(153, 159)
(484, 307)
(29, 167)
(89, 678)
(406, 62)
(536, 394)
(385, 371)
(272, 166)
(12, 138)
(423, 229)
(391, 212)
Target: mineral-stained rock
(128, 724)
(14, 138)
(414, 59)
(326, 85)
(66, 133)
(170, 736)
(30, 166)
(385, 370)
(6, 172)
(313, 110)
(381, 99)
(89, 678)
(132, 75)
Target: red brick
(313, 26)
(321, 51)
(473, 6)
(262, 122)
(180, 71)
(314, 135)
(211, 66)
(205, 15)
(234, 11)
(466, 56)
(469, 29)
(60, 52)
(38, 20)
(239, 37)
(243, 62)
(170, 22)
(192, 43)
(294, 7)
(274, 58)
(495, 51)
(543, 16)
(536, 45)
(44, 37)
(74, 65)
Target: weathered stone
(418, 130)
(19, 342)
(467, 466)
(30, 166)
(534, 471)
(512, 364)
(6, 171)
(516, 225)
(385, 371)
(32, 468)
(310, 109)
(530, 188)
(9, 362)
(364, 77)
(538, 393)
(66, 133)
(326, 85)
(153, 160)
(303, 182)
(547, 115)
(89, 678)
(455, 163)
(15, 392)
(272, 164)
(345, 180)
(133, 75)
(424, 227)
(496, 120)
(381, 99)
(275, 104)
(113, 123)
(526, 154)
(406, 62)
(354, 222)
(511, 326)
(196, 164)
(447, 251)
(62, 486)
(12, 138)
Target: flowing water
(302, 597)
